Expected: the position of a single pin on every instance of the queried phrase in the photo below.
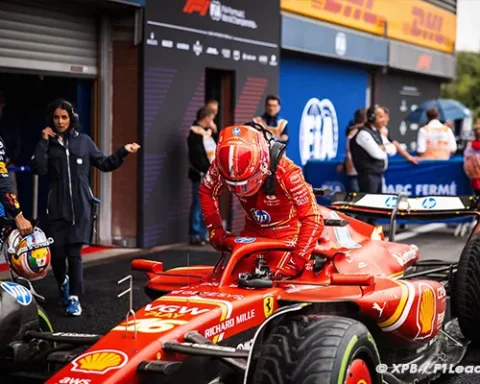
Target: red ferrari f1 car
(365, 310)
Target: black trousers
(63, 251)
(370, 182)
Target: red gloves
(293, 267)
(217, 236)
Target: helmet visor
(245, 187)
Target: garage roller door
(37, 39)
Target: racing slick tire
(467, 289)
(320, 349)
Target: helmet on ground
(29, 256)
(243, 159)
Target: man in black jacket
(201, 141)
(370, 151)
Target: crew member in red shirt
(278, 202)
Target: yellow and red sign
(412, 21)
(426, 311)
(100, 361)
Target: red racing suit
(291, 214)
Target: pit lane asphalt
(102, 310)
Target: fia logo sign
(318, 131)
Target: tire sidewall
(44, 321)
(357, 343)
(466, 288)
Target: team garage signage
(415, 21)
(228, 33)
(410, 58)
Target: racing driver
(244, 160)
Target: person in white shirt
(370, 151)
(435, 141)
(400, 149)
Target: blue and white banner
(428, 178)
(319, 99)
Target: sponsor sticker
(74, 380)
(391, 201)
(99, 362)
(213, 295)
(268, 306)
(21, 294)
(260, 216)
(441, 292)
(426, 311)
(230, 323)
(68, 334)
(406, 256)
(172, 311)
(151, 325)
(245, 240)
(429, 203)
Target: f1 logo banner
(415, 21)
(237, 18)
(200, 6)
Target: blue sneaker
(65, 291)
(74, 308)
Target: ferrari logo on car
(99, 361)
(268, 306)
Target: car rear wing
(411, 208)
(394, 207)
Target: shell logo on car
(100, 361)
(426, 312)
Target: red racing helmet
(243, 159)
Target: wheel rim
(358, 373)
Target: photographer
(66, 156)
